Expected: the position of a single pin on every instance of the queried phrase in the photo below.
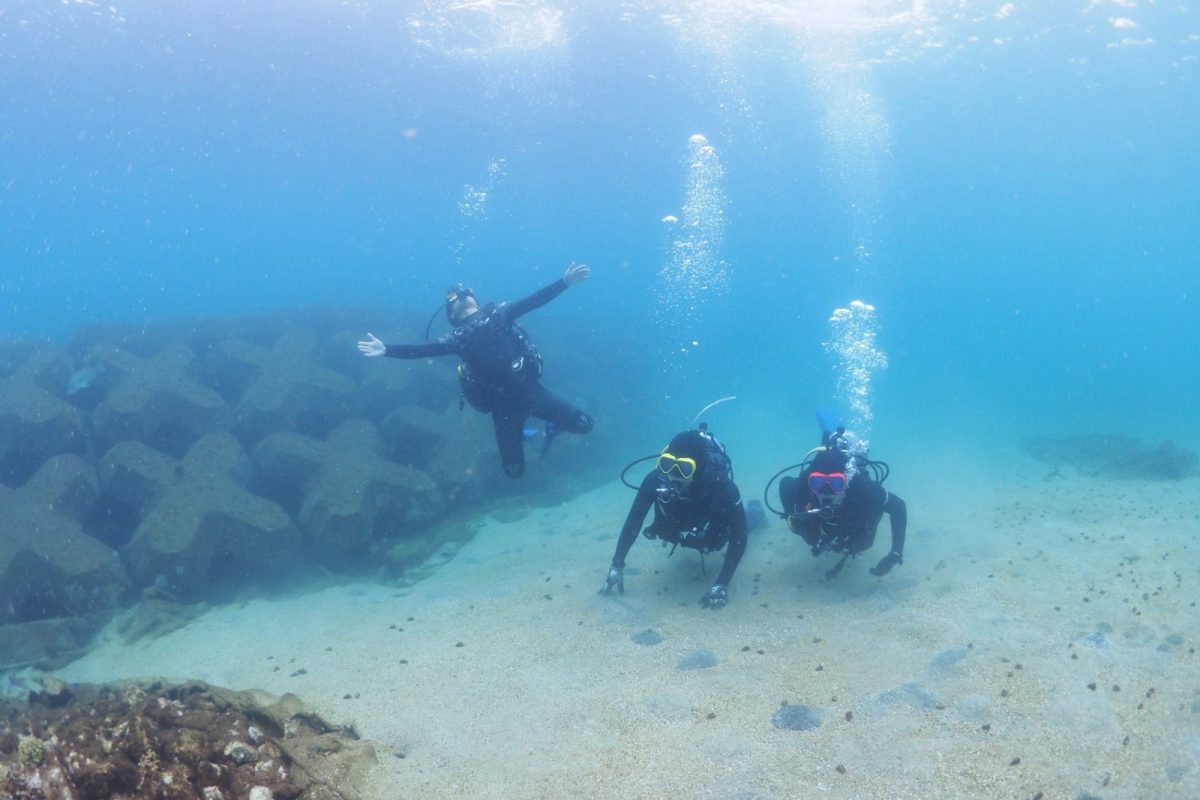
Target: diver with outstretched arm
(499, 368)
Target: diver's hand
(371, 347)
(576, 273)
(716, 597)
(886, 563)
(616, 577)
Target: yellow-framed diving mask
(683, 466)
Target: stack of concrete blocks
(213, 456)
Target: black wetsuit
(704, 517)
(851, 527)
(499, 370)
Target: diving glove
(886, 563)
(616, 577)
(716, 597)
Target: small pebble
(460, 644)
(820, 667)
(300, 671)
(841, 768)
(711, 715)
(987, 726)
(1015, 761)
(1092, 686)
(849, 716)
(746, 649)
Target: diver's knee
(514, 470)
(584, 423)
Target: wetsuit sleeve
(633, 521)
(536, 300)
(897, 512)
(733, 516)
(438, 348)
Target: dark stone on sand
(648, 638)
(1114, 456)
(1175, 772)
(796, 718)
(700, 659)
(946, 660)
(908, 694)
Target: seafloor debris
(186, 741)
(1101, 455)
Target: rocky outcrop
(189, 741)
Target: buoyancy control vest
(494, 354)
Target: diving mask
(827, 483)
(682, 466)
(458, 292)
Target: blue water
(1012, 187)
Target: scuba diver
(838, 500)
(498, 367)
(696, 505)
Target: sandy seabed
(1038, 642)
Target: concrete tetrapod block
(350, 493)
(156, 400)
(457, 448)
(290, 391)
(49, 567)
(36, 423)
(137, 475)
(206, 530)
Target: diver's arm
(536, 300)
(897, 512)
(635, 518)
(425, 350)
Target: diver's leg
(549, 407)
(510, 424)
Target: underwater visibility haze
(972, 227)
